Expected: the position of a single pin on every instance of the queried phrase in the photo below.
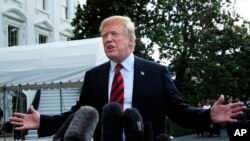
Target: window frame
(65, 9)
(16, 35)
(42, 5)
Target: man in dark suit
(147, 87)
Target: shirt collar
(127, 64)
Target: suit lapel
(139, 73)
(105, 80)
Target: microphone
(83, 125)
(112, 122)
(133, 125)
(61, 131)
(148, 131)
(164, 137)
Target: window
(13, 23)
(12, 36)
(43, 32)
(41, 4)
(65, 9)
(43, 39)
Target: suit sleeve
(50, 124)
(182, 113)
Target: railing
(7, 94)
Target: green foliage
(207, 46)
(176, 130)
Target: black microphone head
(83, 125)
(148, 131)
(112, 122)
(61, 131)
(133, 125)
(164, 137)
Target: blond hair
(124, 20)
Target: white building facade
(26, 22)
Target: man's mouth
(110, 46)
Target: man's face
(117, 44)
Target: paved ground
(6, 139)
(194, 137)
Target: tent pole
(4, 111)
(16, 108)
(61, 98)
(19, 107)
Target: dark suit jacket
(154, 95)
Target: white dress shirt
(128, 78)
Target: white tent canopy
(51, 63)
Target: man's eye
(104, 35)
(114, 33)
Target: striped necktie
(117, 89)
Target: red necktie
(117, 89)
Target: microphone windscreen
(163, 137)
(83, 124)
(61, 131)
(148, 131)
(112, 124)
(133, 125)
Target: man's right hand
(26, 121)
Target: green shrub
(176, 130)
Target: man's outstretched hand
(26, 121)
(226, 113)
